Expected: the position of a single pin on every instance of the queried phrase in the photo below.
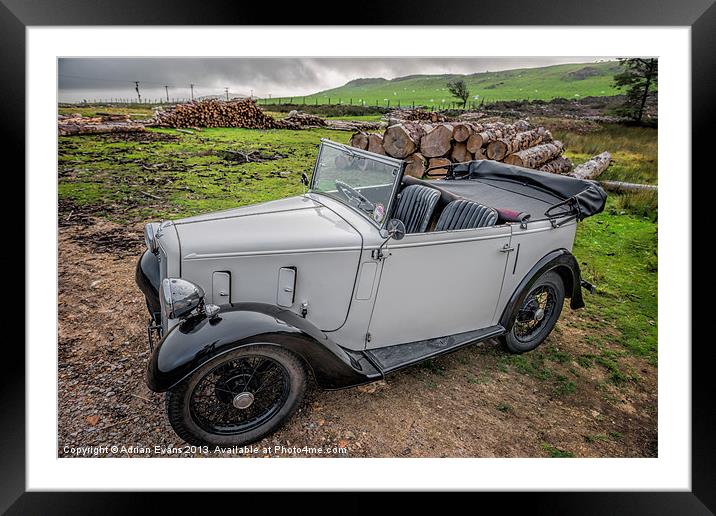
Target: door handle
(506, 248)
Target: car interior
(424, 207)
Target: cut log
(375, 143)
(560, 165)
(437, 142)
(480, 154)
(500, 148)
(416, 165)
(441, 166)
(460, 153)
(461, 132)
(402, 140)
(534, 157)
(620, 187)
(474, 143)
(359, 140)
(593, 167)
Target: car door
(439, 283)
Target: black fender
(200, 339)
(562, 262)
(147, 279)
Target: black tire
(187, 409)
(529, 331)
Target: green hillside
(569, 81)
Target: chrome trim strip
(195, 256)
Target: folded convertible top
(559, 194)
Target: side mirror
(304, 179)
(394, 229)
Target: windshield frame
(385, 160)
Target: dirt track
(478, 402)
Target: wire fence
(297, 102)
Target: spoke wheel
(239, 397)
(535, 312)
(537, 315)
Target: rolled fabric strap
(506, 215)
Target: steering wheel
(354, 195)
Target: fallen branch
(592, 167)
(621, 187)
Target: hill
(545, 83)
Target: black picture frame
(700, 15)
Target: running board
(396, 357)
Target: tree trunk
(402, 140)
(560, 165)
(498, 149)
(359, 141)
(438, 162)
(592, 167)
(535, 156)
(459, 153)
(74, 129)
(620, 187)
(416, 165)
(437, 142)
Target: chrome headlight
(150, 236)
(178, 297)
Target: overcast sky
(106, 78)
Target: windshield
(362, 180)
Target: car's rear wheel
(537, 315)
(238, 399)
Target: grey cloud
(80, 78)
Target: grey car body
(320, 274)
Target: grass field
(568, 81)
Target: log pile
(534, 157)
(76, 124)
(304, 119)
(417, 115)
(219, 113)
(353, 125)
(427, 144)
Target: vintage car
(367, 272)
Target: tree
(639, 78)
(458, 89)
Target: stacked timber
(354, 125)
(429, 145)
(417, 115)
(534, 157)
(218, 113)
(502, 147)
(304, 119)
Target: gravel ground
(478, 402)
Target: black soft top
(538, 193)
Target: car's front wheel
(537, 315)
(239, 398)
